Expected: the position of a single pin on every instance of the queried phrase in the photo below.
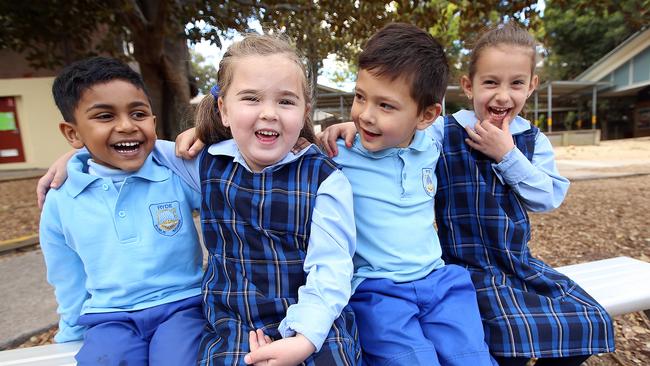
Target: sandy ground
(599, 219)
(626, 150)
(613, 158)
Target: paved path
(28, 305)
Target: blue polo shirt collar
(468, 118)
(421, 142)
(229, 148)
(79, 179)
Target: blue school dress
(256, 228)
(528, 308)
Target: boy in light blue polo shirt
(118, 238)
(411, 308)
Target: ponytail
(209, 127)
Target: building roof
(626, 68)
(624, 52)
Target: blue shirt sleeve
(65, 272)
(328, 264)
(165, 154)
(537, 182)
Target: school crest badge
(166, 216)
(427, 181)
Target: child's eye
(251, 98)
(489, 82)
(287, 102)
(518, 82)
(104, 117)
(386, 106)
(139, 115)
(358, 97)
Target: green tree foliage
(204, 73)
(579, 32)
(457, 24)
(53, 33)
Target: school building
(609, 100)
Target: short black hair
(404, 50)
(77, 77)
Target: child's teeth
(127, 144)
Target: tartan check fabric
(528, 308)
(256, 229)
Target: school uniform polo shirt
(112, 250)
(393, 192)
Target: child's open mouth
(127, 147)
(498, 113)
(370, 135)
(266, 136)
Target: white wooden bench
(61, 354)
(621, 285)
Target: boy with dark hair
(411, 308)
(118, 238)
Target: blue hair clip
(215, 91)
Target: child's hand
(54, 177)
(327, 138)
(188, 145)
(284, 352)
(491, 140)
(258, 339)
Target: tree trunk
(164, 60)
(313, 79)
(167, 81)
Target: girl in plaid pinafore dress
(278, 226)
(488, 177)
(528, 308)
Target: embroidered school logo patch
(427, 181)
(167, 219)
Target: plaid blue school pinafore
(528, 308)
(256, 229)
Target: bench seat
(59, 354)
(621, 285)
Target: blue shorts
(167, 334)
(431, 321)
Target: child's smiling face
(114, 121)
(385, 114)
(265, 108)
(502, 82)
